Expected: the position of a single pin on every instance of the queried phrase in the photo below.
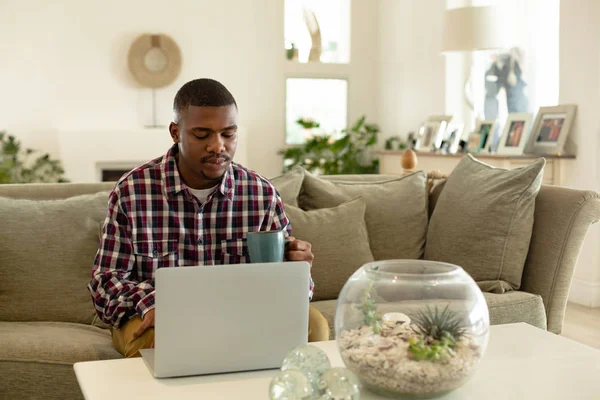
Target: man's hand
(147, 322)
(298, 250)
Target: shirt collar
(173, 184)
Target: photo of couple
(550, 128)
(515, 134)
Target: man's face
(207, 138)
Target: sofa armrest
(562, 219)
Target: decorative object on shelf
(474, 142)
(515, 135)
(445, 335)
(16, 166)
(312, 24)
(487, 129)
(431, 133)
(454, 133)
(292, 52)
(350, 154)
(339, 384)
(291, 384)
(389, 143)
(505, 74)
(551, 130)
(412, 140)
(155, 62)
(408, 162)
(309, 360)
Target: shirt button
(155, 253)
(199, 242)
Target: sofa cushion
(339, 241)
(47, 257)
(36, 358)
(396, 213)
(516, 306)
(288, 185)
(507, 308)
(483, 221)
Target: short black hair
(202, 93)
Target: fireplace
(113, 171)
(113, 175)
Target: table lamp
(471, 29)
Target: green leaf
(359, 123)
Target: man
(191, 206)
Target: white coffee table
(521, 362)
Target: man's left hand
(298, 250)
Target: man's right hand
(147, 322)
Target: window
(333, 19)
(322, 100)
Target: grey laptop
(227, 318)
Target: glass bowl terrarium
(411, 328)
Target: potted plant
(18, 166)
(349, 154)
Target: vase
(411, 328)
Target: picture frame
(474, 142)
(432, 133)
(551, 129)
(487, 129)
(515, 135)
(454, 133)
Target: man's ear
(174, 130)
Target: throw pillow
(396, 210)
(288, 185)
(483, 221)
(340, 243)
(47, 254)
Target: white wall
(580, 84)
(411, 68)
(64, 76)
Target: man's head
(205, 129)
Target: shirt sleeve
(279, 221)
(116, 292)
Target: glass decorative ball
(411, 328)
(339, 384)
(290, 385)
(310, 360)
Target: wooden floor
(582, 324)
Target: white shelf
(295, 69)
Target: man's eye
(201, 136)
(229, 134)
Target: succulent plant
(439, 333)
(436, 350)
(438, 324)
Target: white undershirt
(202, 194)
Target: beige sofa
(47, 321)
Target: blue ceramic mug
(267, 246)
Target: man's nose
(216, 144)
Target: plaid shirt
(153, 221)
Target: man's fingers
(299, 256)
(299, 245)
